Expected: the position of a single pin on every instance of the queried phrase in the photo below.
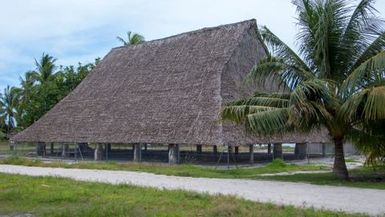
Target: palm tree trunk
(339, 168)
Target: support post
(229, 150)
(236, 150)
(269, 148)
(80, 149)
(277, 150)
(98, 154)
(52, 148)
(251, 151)
(199, 149)
(145, 147)
(108, 148)
(137, 149)
(300, 150)
(40, 149)
(215, 149)
(76, 150)
(65, 149)
(173, 154)
(323, 149)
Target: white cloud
(80, 30)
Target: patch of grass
(15, 160)
(350, 160)
(21, 149)
(276, 166)
(4, 145)
(365, 177)
(50, 196)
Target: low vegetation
(366, 177)
(277, 166)
(50, 196)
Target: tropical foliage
(40, 89)
(335, 80)
(132, 39)
(8, 104)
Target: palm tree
(132, 38)
(2, 121)
(45, 76)
(26, 93)
(335, 81)
(45, 69)
(8, 105)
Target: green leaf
(269, 122)
(372, 70)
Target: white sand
(345, 199)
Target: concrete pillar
(76, 151)
(230, 149)
(52, 148)
(251, 151)
(40, 149)
(277, 150)
(98, 154)
(199, 149)
(137, 149)
(323, 149)
(268, 148)
(215, 149)
(300, 150)
(173, 154)
(65, 150)
(108, 147)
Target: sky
(76, 31)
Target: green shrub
(277, 163)
(15, 160)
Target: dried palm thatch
(168, 91)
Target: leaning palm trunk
(336, 81)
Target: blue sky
(80, 30)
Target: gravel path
(298, 194)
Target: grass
(276, 166)
(364, 177)
(4, 145)
(361, 177)
(5, 149)
(50, 196)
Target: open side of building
(167, 91)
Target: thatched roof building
(164, 91)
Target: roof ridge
(205, 29)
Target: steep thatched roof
(164, 91)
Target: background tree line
(40, 89)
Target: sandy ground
(352, 200)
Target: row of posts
(173, 151)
